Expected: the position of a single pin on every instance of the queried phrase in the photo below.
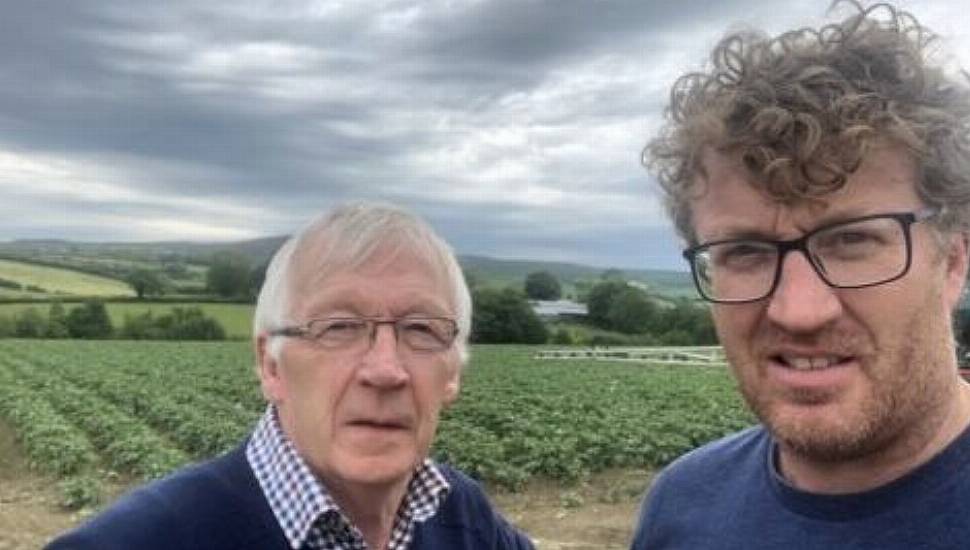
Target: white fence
(705, 356)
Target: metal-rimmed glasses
(856, 253)
(422, 334)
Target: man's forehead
(334, 283)
(728, 198)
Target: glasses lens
(337, 333)
(735, 271)
(860, 253)
(427, 334)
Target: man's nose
(382, 364)
(802, 301)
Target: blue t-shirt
(728, 495)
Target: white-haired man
(360, 334)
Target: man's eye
(419, 327)
(341, 327)
(741, 254)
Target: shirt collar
(298, 499)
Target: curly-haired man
(821, 179)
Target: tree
(228, 275)
(600, 299)
(57, 321)
(89, 320)
(257, 276)
(145, 283)
(471, 279)
(29, 323)
(504, 316)
(542, 285)
(631, 311)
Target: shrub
(181, 324)
(13, 285)
(29, 324)
(505, 317)
(542, 285)
(57, 322)
(89, 320)
(6, 327)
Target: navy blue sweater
(729, 496)
(219, 505)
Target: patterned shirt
(309, 517)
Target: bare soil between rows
(597, 513)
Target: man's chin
(823, 435)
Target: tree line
(90, 321)
(618, 313)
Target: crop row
(144, 408)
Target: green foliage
(616, 306)
(30, 324)
(562, 336)
(600, 299)
(504, 316)
(631, 311)
(80, 492)
(146, 283)
(228, 275)
(90, 320)
(57, 322)
(181, 324)
(12, 285)
(7, 327)
(542, 285)
(145, 408)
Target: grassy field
(61, 281)
(235, 318)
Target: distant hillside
(500, 272)
(118, 259)
(20, 280)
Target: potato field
(89, 411)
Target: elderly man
(360, 331)
(822, 181)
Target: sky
(514, 126)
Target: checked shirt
(309, 517)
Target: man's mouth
(811, 362)
(381, 424)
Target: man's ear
(268, 370)
(956, 268)
(453, 384)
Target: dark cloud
(515, 126)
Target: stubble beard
(904, 403)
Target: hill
(27, 280)
(184, 263)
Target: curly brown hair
(800, 110)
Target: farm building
(558, 309)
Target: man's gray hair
(344, 239)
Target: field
(235, 318)
(60, 281)
(89, 414)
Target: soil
(597, 513)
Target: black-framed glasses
(857, 253)
(422, 334)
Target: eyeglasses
(856, 253)
(422, 334)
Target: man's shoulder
(746, 444)
(719, 462)
(190, 504)
(467, 519)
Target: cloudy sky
(514, 126)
